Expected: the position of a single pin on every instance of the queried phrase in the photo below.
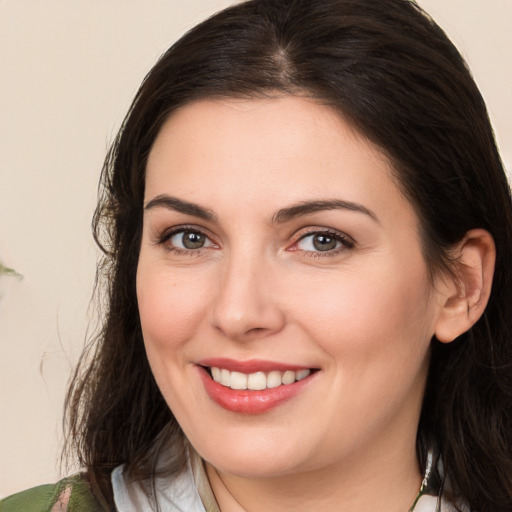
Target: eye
(188, 239)
(323, 242)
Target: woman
(307, 233)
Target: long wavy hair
(392, 73)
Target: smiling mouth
(256, 381)
(253, 387)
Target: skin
(363, 314)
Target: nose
(246, 305)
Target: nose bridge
(245, 305)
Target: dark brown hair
(391, 72)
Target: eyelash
(164, 238)
(345, 241)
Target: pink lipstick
(254, 386)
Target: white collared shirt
(178, 495)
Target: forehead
(250, 152)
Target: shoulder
(71, 494)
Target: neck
(387, 481)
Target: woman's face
(279, 254)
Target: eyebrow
(281, 216)
(178, 205)
(306, 207)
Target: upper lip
(250, 365)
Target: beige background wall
(68, 71)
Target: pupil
(193, 240)
(324, 243)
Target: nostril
(256, 330)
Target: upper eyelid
(346, 241)
(186, 227)
(316, 230)
(165, 234)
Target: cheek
(171, 309)
(376, 333)
(367, 316)
(171, 306)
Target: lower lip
(247, 401)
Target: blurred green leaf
(6, 271)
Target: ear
(465, 294)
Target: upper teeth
(256, 381)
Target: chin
(253, 468)
(246, 459)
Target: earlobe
(465, 295)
